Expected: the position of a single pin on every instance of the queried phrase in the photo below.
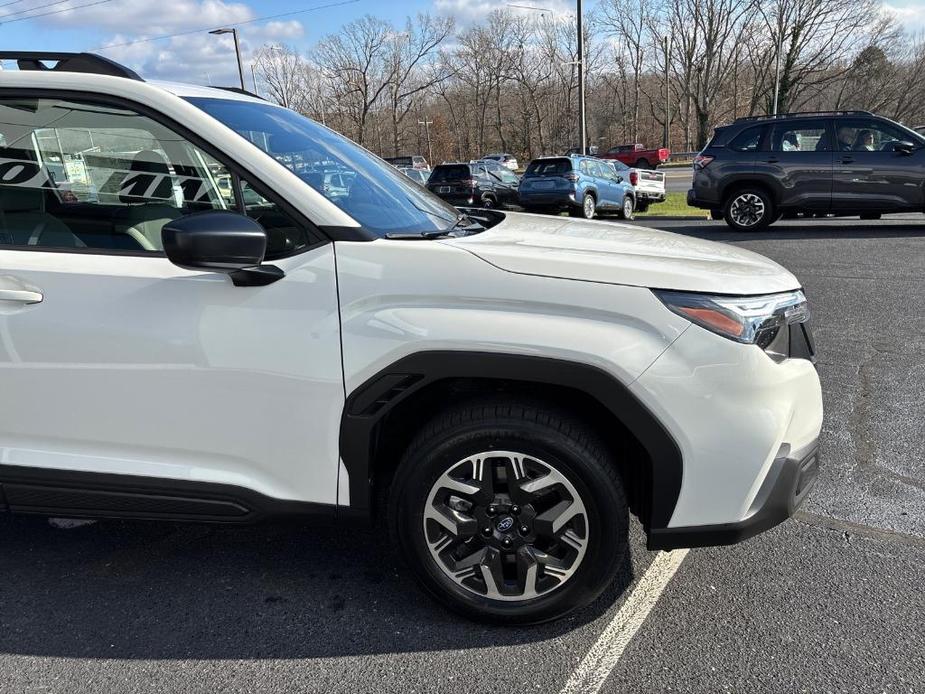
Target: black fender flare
(377, 396)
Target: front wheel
(749, 209)
(509, 512)
(626, 210)
(643, 164)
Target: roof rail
(69, 62)
(798, 114)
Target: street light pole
(427, 123)
(237, 50)
(582, 123)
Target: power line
(51, 12)
(32, 9)
(229, 24)
(7, 4)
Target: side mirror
(903, 147)
(220, 241)
(619, 178)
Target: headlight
(747, 319)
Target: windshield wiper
(463, 223)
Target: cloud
(194, 57)
(156, 16)
(910, 16)
(469, 11)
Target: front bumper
(789, 480)
(736, 414)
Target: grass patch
(675, 205)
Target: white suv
(214, 309)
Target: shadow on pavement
(831, 230)
(168, 591)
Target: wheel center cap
(504, 524)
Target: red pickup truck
(637, 156)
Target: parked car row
(760, 168)
(585, 186)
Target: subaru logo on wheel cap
(505, 524)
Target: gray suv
(843, 163)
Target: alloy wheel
(506, 526)
(588, 207)
(627, 208)
(747, 210)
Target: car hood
(595, 251)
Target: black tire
(643, 164)
(586, 210)
(716, 214)
(489, 202)
(642, 206)
(751, 205)
(871, 216)
(540, 433)
(627, 210)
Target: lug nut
(492, 510)
(506, 542)
(524, 530)
(486, 531)
(515, 509)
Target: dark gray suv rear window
(749, 140)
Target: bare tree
(358, 63)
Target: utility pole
(427, 123)
(582, 123)
(780, 46)
(667, 95)
(254, 76)
(237, 50)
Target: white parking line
(606, 652)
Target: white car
(501, 389)
(506, 160)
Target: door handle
(23, 296)
(847, 160)
(773, 160)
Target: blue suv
(585, 186)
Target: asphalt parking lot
(831, 601)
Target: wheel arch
(380, 417)
(765, 183)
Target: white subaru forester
(214, 309)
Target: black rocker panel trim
(369, 403)
(75, 494)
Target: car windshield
(375, 194)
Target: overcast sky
(200, 58)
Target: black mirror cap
(215, 241)
(904, 147)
